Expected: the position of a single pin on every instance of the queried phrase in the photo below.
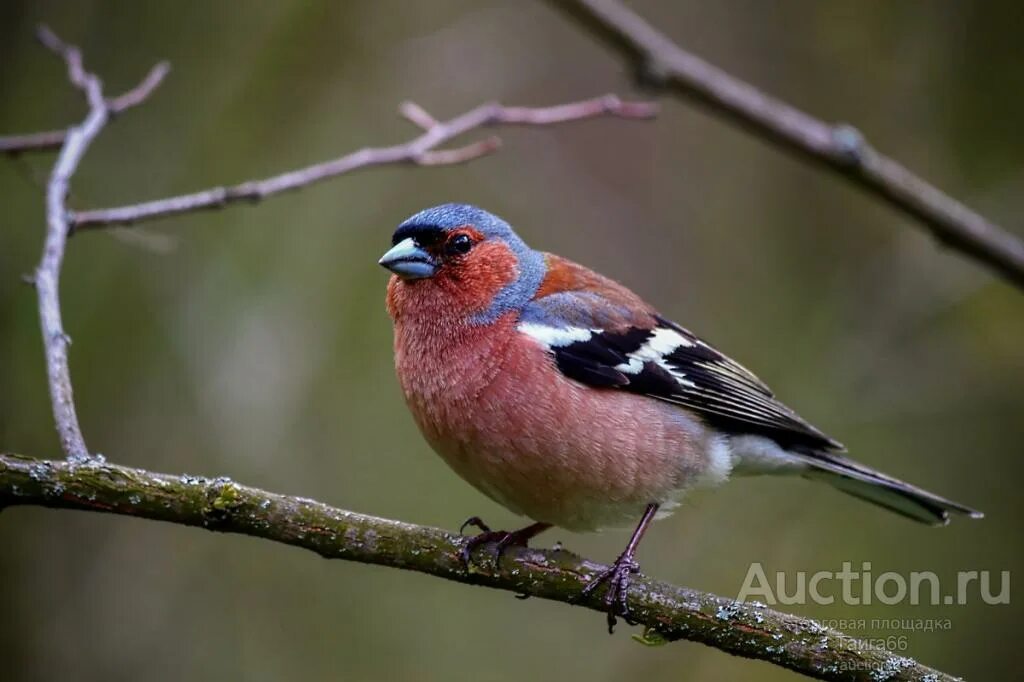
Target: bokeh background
(253, 342)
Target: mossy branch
(666, 611)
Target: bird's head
(460, 261)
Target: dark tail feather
(885, 491)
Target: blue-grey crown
(450, 216)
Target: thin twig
(141, 92)
(417, 115)
(666, 611)
(840, 148)
(47, 275)
(54, 139)
(422, 150)
(44, 141)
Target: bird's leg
(503, 538)
(618, 574)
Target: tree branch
(422, 150)
(666, 611)
(47, 275)
(54, 139)
(43, 141)
(840, 148)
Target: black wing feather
(587, 369)
(694, 375)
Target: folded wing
(603, 335)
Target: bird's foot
(617, 576)
(503, 539)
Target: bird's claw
(503, 539)
(476, 522)
(482, 539)
(617, 576)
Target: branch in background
(54, 139)
(840, 148)
(666, 611)
(45, 141)
(422, 150)
(47, 274)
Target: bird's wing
(603, 335)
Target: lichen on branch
(666, 612)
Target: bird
(566, 398)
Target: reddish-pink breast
(492, 403)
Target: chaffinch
(563, 396)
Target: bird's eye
(460, 244)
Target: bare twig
(141, 92)
(840, 148)
(47, 275)
(422, 150)
(666, 611)
(54, 139)
(33, 142)
(417, 115)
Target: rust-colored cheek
(459, 289)
(479, 275)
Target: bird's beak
(407, 260)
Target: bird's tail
(885, 491)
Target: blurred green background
(253, 342)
